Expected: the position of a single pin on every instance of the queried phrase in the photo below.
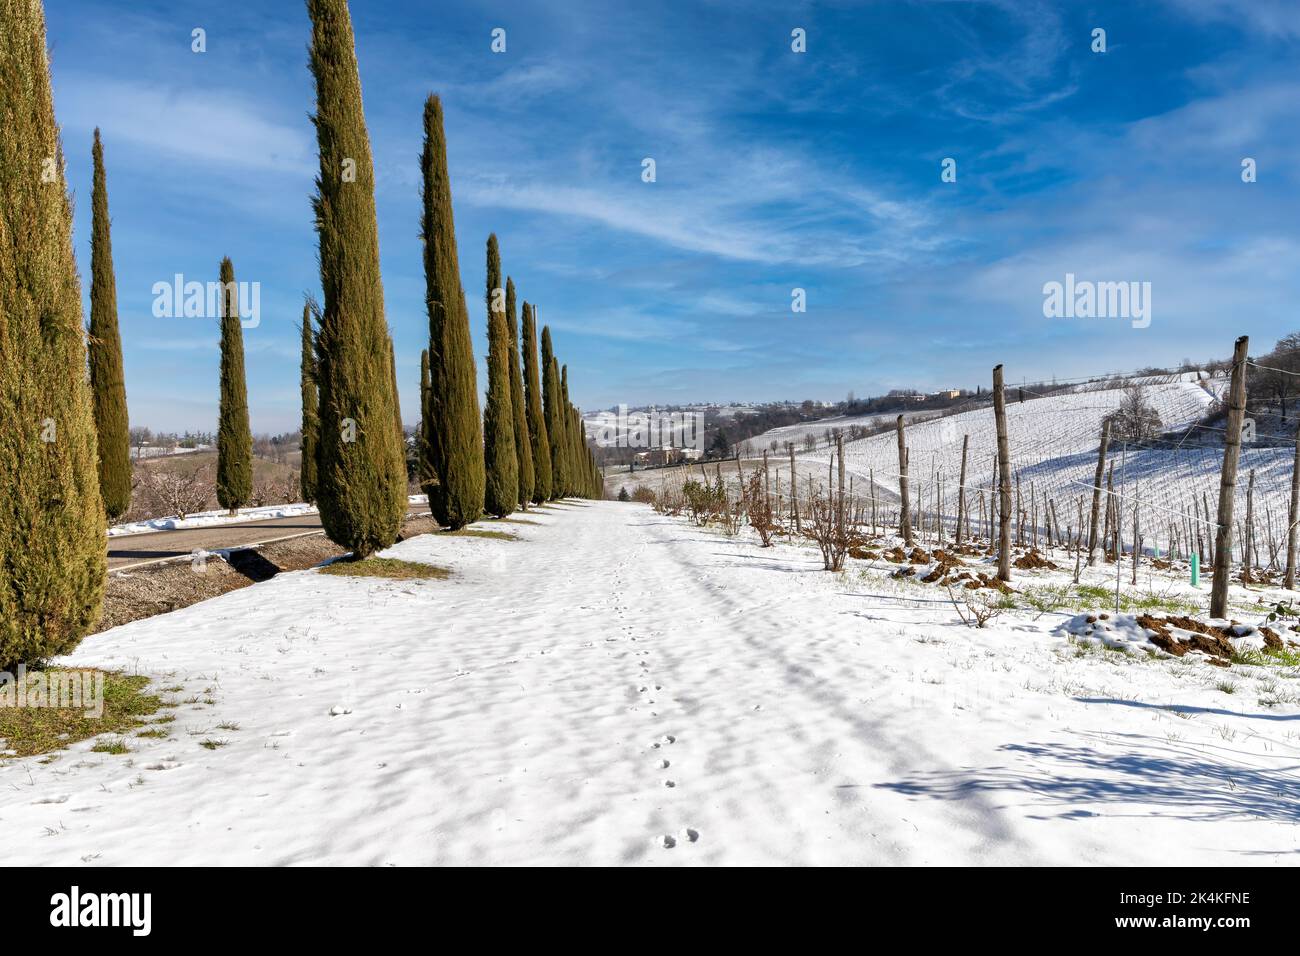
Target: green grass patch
(212, 744)
(481, 533)
(1269, 657)
(1093, 592)
(391, 568)
(158, 732)
(1073, 597)
(37, 730)
(117, 746)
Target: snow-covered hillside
(819, 429)
(1054, 442)
(617, 687)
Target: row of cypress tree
(108, 382)
(65, 466)
(511, 455)
(521, 455)
(64, 445)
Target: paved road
(135, 549)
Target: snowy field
(1054, 441)
(821, 429)
(620, 687)
(209, 519)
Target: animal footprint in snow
(338, 710)
(667, 841)
(663, 765)
(668, 739)
(670, 784)
(691, 836)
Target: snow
(160, 451)
(618, 687)
(1053, 445)
(207, 519)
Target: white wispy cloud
(205, 128)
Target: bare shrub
(644, 495)
(179, 493)
(275, 491)
(759, 505)
(824, 519)
(976, 608)
(706, 502)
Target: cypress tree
(310, 412)
(554, 416)
(52, 555)
(397, 396)
(107, 381)
(455, 434)
(424, 467)
(541, 446)
(500, 465)
(234, 439)
(523, 447)
(570, 445)
(361, 479)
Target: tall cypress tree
(523, 447)
(361, 481)
(234, 439)
(538, 439)
(397, 396)
(501, 491)
(455, 434)
(423, 464)
(554, 416)
(310, 410)
(107, 381)
(570, 458)
(52, 555)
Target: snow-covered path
(616, 678)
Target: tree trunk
(1228, 479)
(1004, 469)
(794, 492)
(905, 517)
(961, 493)
(1249, 539)
(1293, 516)
(839, 450)
(1096, 494)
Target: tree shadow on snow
(1153, 777)
(1185, 709)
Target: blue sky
(775, 170)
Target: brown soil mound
(1205, 637)
(945, 565)
(1033, 561)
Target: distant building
(668, 455)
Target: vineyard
(1120, 467)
